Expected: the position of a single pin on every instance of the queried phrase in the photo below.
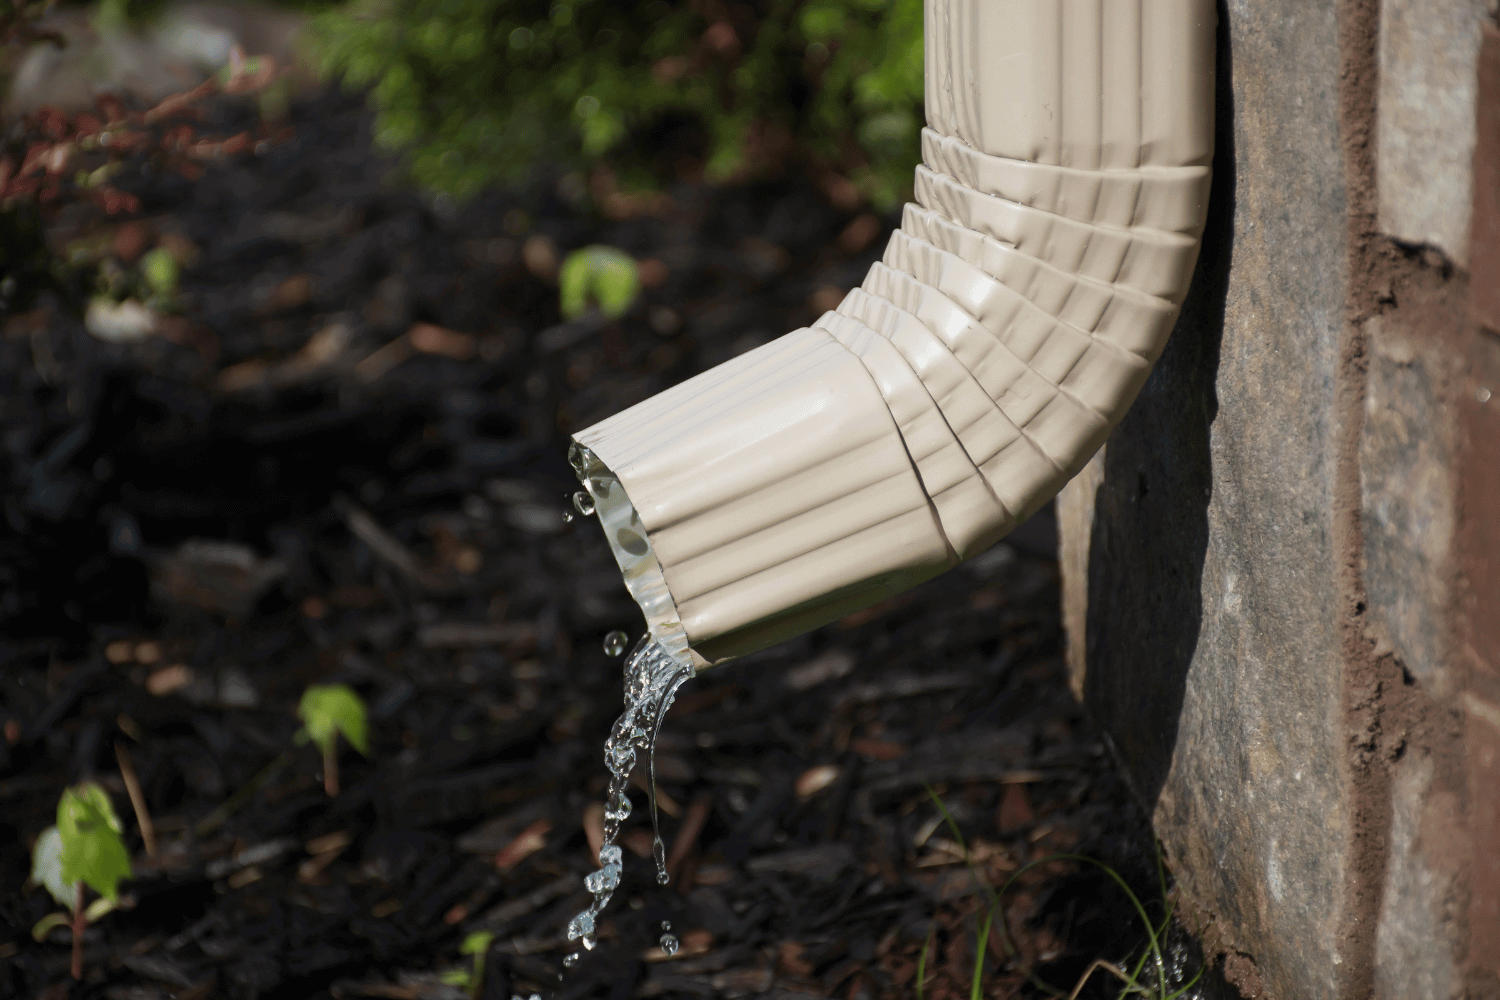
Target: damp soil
(346, 463)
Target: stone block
(1287, 629)
(1429, 51)
(1213, 662)
(1407, 467)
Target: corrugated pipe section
(1014, 317)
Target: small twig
(137, 797)
(386, 546)
(1098, 963)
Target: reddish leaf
(115, 201)
(52, 121)
(35, 156)
(21, 187)
(111, 107)
(88, 124)
(179, 102)
(178, 138)
(237, 143)
(1015, 809)
(125, 143)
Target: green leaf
(159, 269)
(456, 977)
(48, 923)
(92, 850)
(976, 984)
(477, 943)
(606, 275)
(98, 909)
(330, 709)
(46, 867)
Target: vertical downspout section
(1015, 315)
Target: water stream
(654, 670)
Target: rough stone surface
(1417, 938)
(1406, 462)
(1213, 660)
(1409, 473)
(1428, 55)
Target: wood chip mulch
(345, 463)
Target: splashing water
(652, 677)
(583, 503)
(615, 643)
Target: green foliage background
(477, 92)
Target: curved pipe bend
(1015, 315)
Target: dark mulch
(392, 518)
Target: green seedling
(83, 849)
(326, 711)
(478, 945)
(160, 272)
(600, 274)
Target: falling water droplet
(567, 517)
(652, 677)
(615, 643)
(571, 960)
(583, 503)
(666, 925)
(662, 878)
(668, 944)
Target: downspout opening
(631, 547)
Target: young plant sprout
(160, 273)
(84, 848)
(326, 711)
(476, 944)
(600, 274)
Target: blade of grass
(922, 959)
(963, 846)
(980, 943)
(989, 891)
(217, 818)
(1153, 938)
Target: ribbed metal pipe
(1015, 315)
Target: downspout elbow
(1012, 320)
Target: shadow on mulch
(348, 465)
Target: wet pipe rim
(631, 547)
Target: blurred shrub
(478, 91)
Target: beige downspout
(1014, 317)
